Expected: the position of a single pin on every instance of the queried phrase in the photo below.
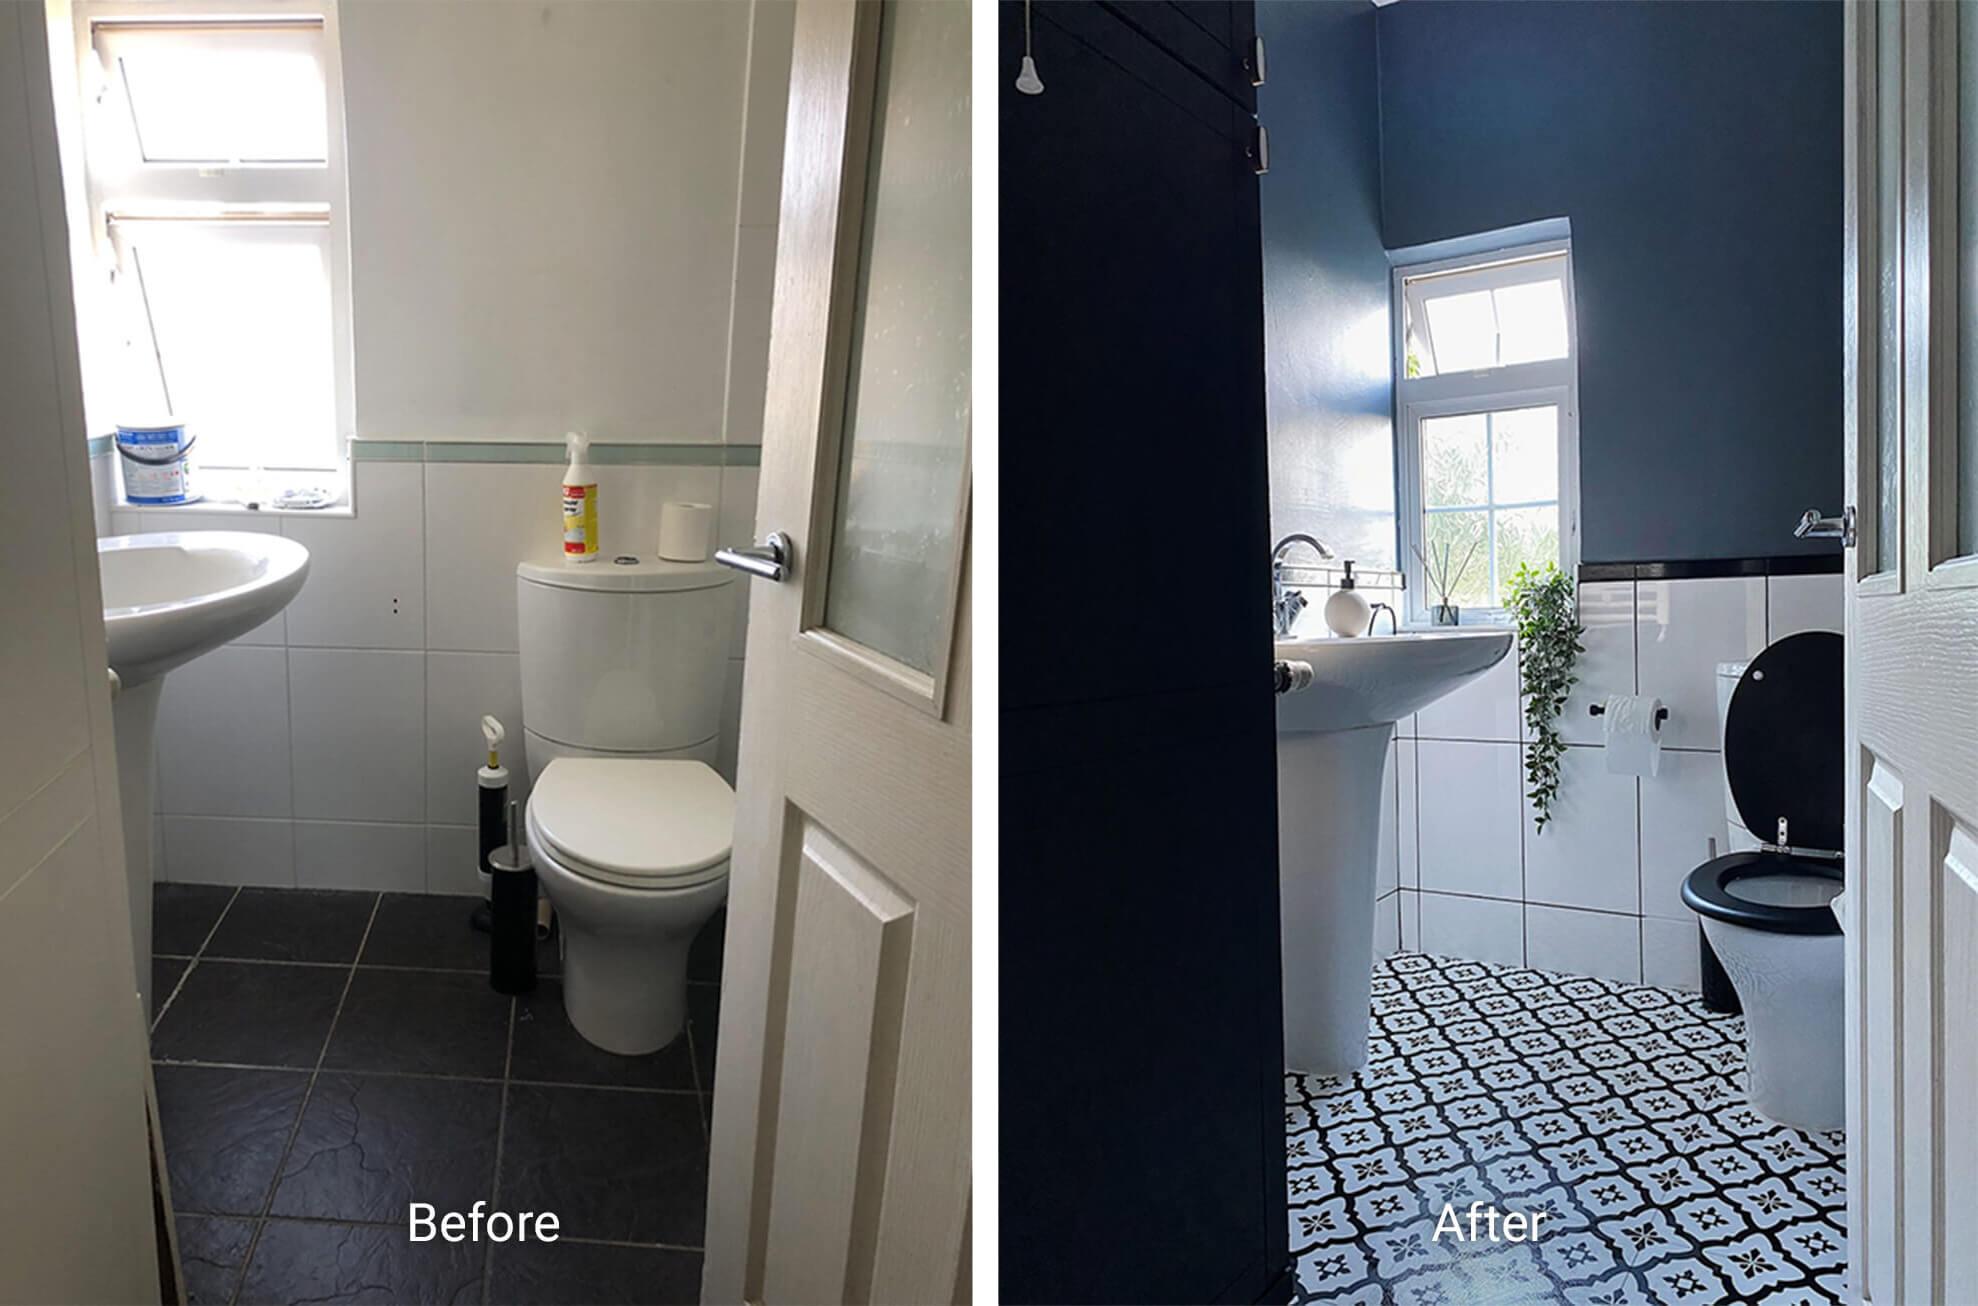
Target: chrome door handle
(769, 560)
(1812, 526)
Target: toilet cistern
(1287, 603)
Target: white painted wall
(1598, 892)
(561, 215)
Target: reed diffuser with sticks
(1442, 579)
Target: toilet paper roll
(1631, 736)
(686, 531)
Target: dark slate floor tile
(165, 972)
(370, 1145)
(293, 925)
(704, 957)
(422, 1022)
(704, 1019)
(224, 1134)
(211, 1252)
(323, 1263)
(560, 1273)
(559, 1144)
(251, 1013)
(182, 915)
(434, 931)
(548, 1047)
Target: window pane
(1531, 322)
(1463, 330)
(1455, 469)
(243, 317)
(1525, 536)
(1525, 455)
(1458, 559)
(219, 98)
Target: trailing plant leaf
(1545, 605)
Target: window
(213, 154)
(1486, 427)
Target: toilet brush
(493, 780)
(512, 942)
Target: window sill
(234, 508)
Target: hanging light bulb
(1027, 80)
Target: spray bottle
(580, 502)
(493, 780)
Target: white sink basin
(1332, 753)
(167, 598)
(171, 596)
(1378, 679)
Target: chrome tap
(1287, 603)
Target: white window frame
(1516, 385)
(261, 194)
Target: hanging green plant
(1545, 606)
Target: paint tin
(156, 462)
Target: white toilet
(622, 671)
(1766, 904)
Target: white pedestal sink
(167, 598)
(1332, 740)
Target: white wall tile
(1583, 943)
(1796, 603)
(461, 688)
(359, 721)
(1479, 929)
(482, 519)
(102, 490)
(1607, 611)
(274, 630)
(1485, 708)
(1669, 954)
(223, 735)
(630, 499)
(728, 752)
(1387, 925)
(453, 860)
(1682, 810)
(1406, 788)
(771, 36)
(223, 850)
(125, 522)
(1683, 629)
(359, 855)
(1470, 818)
(737, 527)
(1409, 905)
(1586, 856)
(366, 586)
(1387, 853)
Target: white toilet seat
(644, 824)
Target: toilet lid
(634, 820)
(1785, 739)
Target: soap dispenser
(1347, 610)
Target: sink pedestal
(134, 716)
(1328, 818)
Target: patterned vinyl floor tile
(1614, 1111)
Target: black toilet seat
(1708, 891)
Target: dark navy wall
(1326, 346)
(1696, 149)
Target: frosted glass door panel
(903, 459)
(1888, 209)
(1967, 279)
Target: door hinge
(1259, 150)
(1254, 65)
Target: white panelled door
(1912, 622)
(840, 1164)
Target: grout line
(694, 1066)
(396, 1224)
(308, 1091)
(501, 1133)
(193, 961)
(427, 1075)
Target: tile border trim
(552, 452)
